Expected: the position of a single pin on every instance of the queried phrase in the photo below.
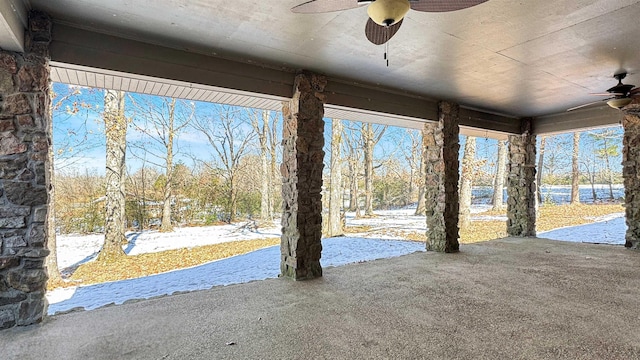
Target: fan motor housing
(388, 12)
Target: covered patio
(499, 69)
(514, 298)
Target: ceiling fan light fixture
(619, 103)
(388, 12)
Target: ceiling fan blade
(634, 91)
(443, 5)
(588, 104)
(606, 94)
(322, 6)
(378, 34)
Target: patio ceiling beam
(82, 48)
(577, 120)
(13, 20)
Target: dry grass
(141, 265)
(550, 217)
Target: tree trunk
(166, 225)
(354, 204)
(543, 140)
(274, 184)
(265, 211)
(420, 209)
(334, 227)
(498, 182)
(609, 173)
(368, 143)
(466, 178)
(143, 208)
(52, 260)
(575, 170)
(233, 199)
(116, 136)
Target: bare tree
(370, 137)
(413, 156)
(160, 121)
(606, 149)
(67, 104)
(262, 130)
(275, 176)
(229, 135)
(334, 227)
(353, 155)
(498, 182)
(52, 260)
(75, 111)
(466, 178)
(116, 135)
(421, 208)
(540, 165)
(575, 170)
(589, 167)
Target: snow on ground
(402, 219)
(74, 250)
(264, 263)
(609, 229)
(257, 265)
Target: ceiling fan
(619, 96)
(385, 16)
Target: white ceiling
(518, 58)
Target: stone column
(441, 145)
(302, 164)
(631, 174)
(521, 183)
(24, 144)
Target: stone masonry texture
(441, 179)
(24, 144)
(521, 183)
(631, 173)
(301, 168)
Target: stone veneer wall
(631, 174)
(302, 164)
(442, 146)
(24, 144)
(521, 183)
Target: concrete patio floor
(512, 298)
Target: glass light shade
(388, 12)
(619, 103)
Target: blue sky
(79, 137)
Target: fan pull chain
(386, 51)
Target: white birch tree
(466, 180)
(334, 227)
(497, 199)
(116, 141)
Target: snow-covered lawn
(264, 263)
(257, 265)
(608, 229)
(74, 250)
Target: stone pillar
(441, 145)
(24, 144)
(521, 183)
(302, 164)
(631, 174)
